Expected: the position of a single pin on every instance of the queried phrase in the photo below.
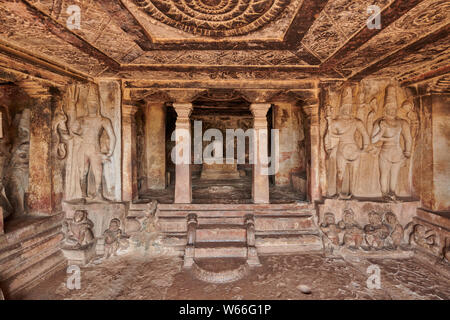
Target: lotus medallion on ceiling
(214, 18)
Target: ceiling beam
(11, 75)
(305, 17)
(389, 14)
(212, 68)
(128, 23)
(68, 36)
(427, 76)
(219, 84)
(402, 52)
(24, 61)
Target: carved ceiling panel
(97, 27)
(214, 18)
(34, 37)
(220, 57)
(428, 58)
(424, 18)
(338, 21)
(231, 39)
(351, 15)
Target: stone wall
(288, 118)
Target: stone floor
(139, 277)
(238, 191)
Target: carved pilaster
(260, 190)
(129, 166)
(39, 199)
(182, 153)
(312, 113)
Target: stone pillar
(182, 153)
(129, 153)
(260, 186)
(287, 119)
(312, 112)
(39, 195)
(433, 174)
(155, 146)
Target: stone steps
(275, 225)
(218, 249)
(221, 233)
(32, 250)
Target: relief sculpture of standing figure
(388, 131)
(87, 130)
(342, 130)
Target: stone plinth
(404, 211)
(81, 256)
(217, 171)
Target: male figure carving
(88, 129)
(342, 131)
(388, 132)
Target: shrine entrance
(222, 167)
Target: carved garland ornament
(214, 18)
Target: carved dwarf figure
(396, 231)
(353, 233)
(341, 133)
(375, 232)
(423, 238)
(87, 130)
(80, 230)
(330, 231)
(388, 132)
(113, 238)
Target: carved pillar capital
(312, 113)
(259, 111)
(129, 109)
(183, 111)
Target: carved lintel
(150, 95)
(260, 96)
(183, 95)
